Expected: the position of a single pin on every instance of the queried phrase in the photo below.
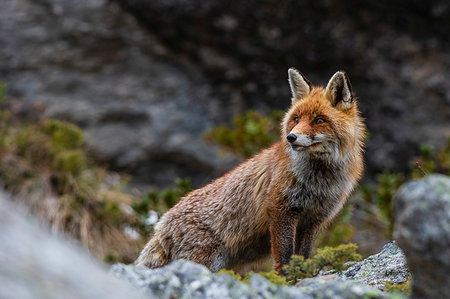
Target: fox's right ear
(300, 86)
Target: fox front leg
(282, 234)
(304, 240)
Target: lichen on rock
(387, 265)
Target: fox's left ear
(339, 91)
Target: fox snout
(302, 140)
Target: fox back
(275, 203)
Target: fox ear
(300, 86)
(339, 91)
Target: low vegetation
(326, 259)
(249, 133)
(157, 202)
(45, 165)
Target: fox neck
(326, 175)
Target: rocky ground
(36, 265)
(183, 279)
(145, 79)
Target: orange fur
(276, 202)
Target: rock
(89, 62)
(397, 55)
(422, 229)
(387, 265)
(145, 94)
(184, 279)
(338, 288)
(35, 264)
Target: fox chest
(318, 197)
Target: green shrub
(2, 92)
(72, 162)
(327, 258)
(161, 201)
(249, 133)
(63, 135)
(431, 160)
(47, 161)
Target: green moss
(404, 287)
(326, 258)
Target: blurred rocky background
(110, 111)
(145, 79)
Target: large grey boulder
(184, 279)
(387, 265)
(422, 229)
(89, 62)
(145, 95)
(36, 265)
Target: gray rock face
(184, 279)
(387, 265)
(89, 63)
(35, 264)
(422, 229)
(145, 95)
(397, 55)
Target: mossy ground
(327, 258)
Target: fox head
(322, 122)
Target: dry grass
(45, 166)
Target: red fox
(276, 202)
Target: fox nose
(291, 138)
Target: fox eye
(319, 121)
(295, 119)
